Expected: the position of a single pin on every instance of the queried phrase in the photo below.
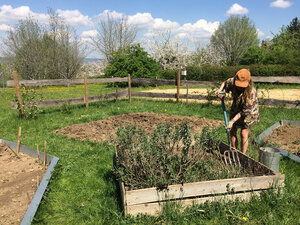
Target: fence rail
(149, 81)
(124, 94)
(75, 101)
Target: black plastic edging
(32, 208)
(267, 132)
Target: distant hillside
(89, 60)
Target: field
(83, 189)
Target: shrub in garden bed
(169, 155)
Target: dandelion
(245, 218)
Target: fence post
(178, 85)
(18, 93)
(187, 93)
(86, 97)
(129, 88)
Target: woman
(244, 110)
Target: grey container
(270, 157)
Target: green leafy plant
(169, 155)
(30, 101)
(66, 108)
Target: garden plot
(102, 130)
(284, 136)
(19, 180)
(169, 165)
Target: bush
(135, 61)
(169, 156)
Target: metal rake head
(231, 157)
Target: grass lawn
(83, 189)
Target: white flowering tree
(169, 51)
(207, 55)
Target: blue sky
(189, 19)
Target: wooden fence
(145, 81)
(128, 93)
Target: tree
(113, 34)
(168, 51)
(132, 60)
(64, 54)
(44, 52)
(254, 55)
(233, 38)
(207, 55)
(24, 47)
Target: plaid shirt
(249, 110)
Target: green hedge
(218, 73)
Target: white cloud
(260, 33)
(89, 33)
(8, 14)
(74, 17)
(281, 4)
(4, 27)
(236, 9)
(112, 14)
(142, 20)
(200, 29)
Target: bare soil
(19, 179)
(287, 138)
(102, 130)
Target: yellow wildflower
(245, 218)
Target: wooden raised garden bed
(263, 137)
(151, 200)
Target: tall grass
(83, 189)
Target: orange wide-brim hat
(242, 78)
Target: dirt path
(102, 130)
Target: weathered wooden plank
(155, 207)
(273, 79)
(212, 187)
(74, 101)
(167, 95)
(29, 83)
(149, 81)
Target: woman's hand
(230, 124)
(217, 93)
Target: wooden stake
(12, 151)
(129, 88)
(187, 93)
(18, 93)
(45, 145)
(178, 85)
(86, 98)
(19, 140)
